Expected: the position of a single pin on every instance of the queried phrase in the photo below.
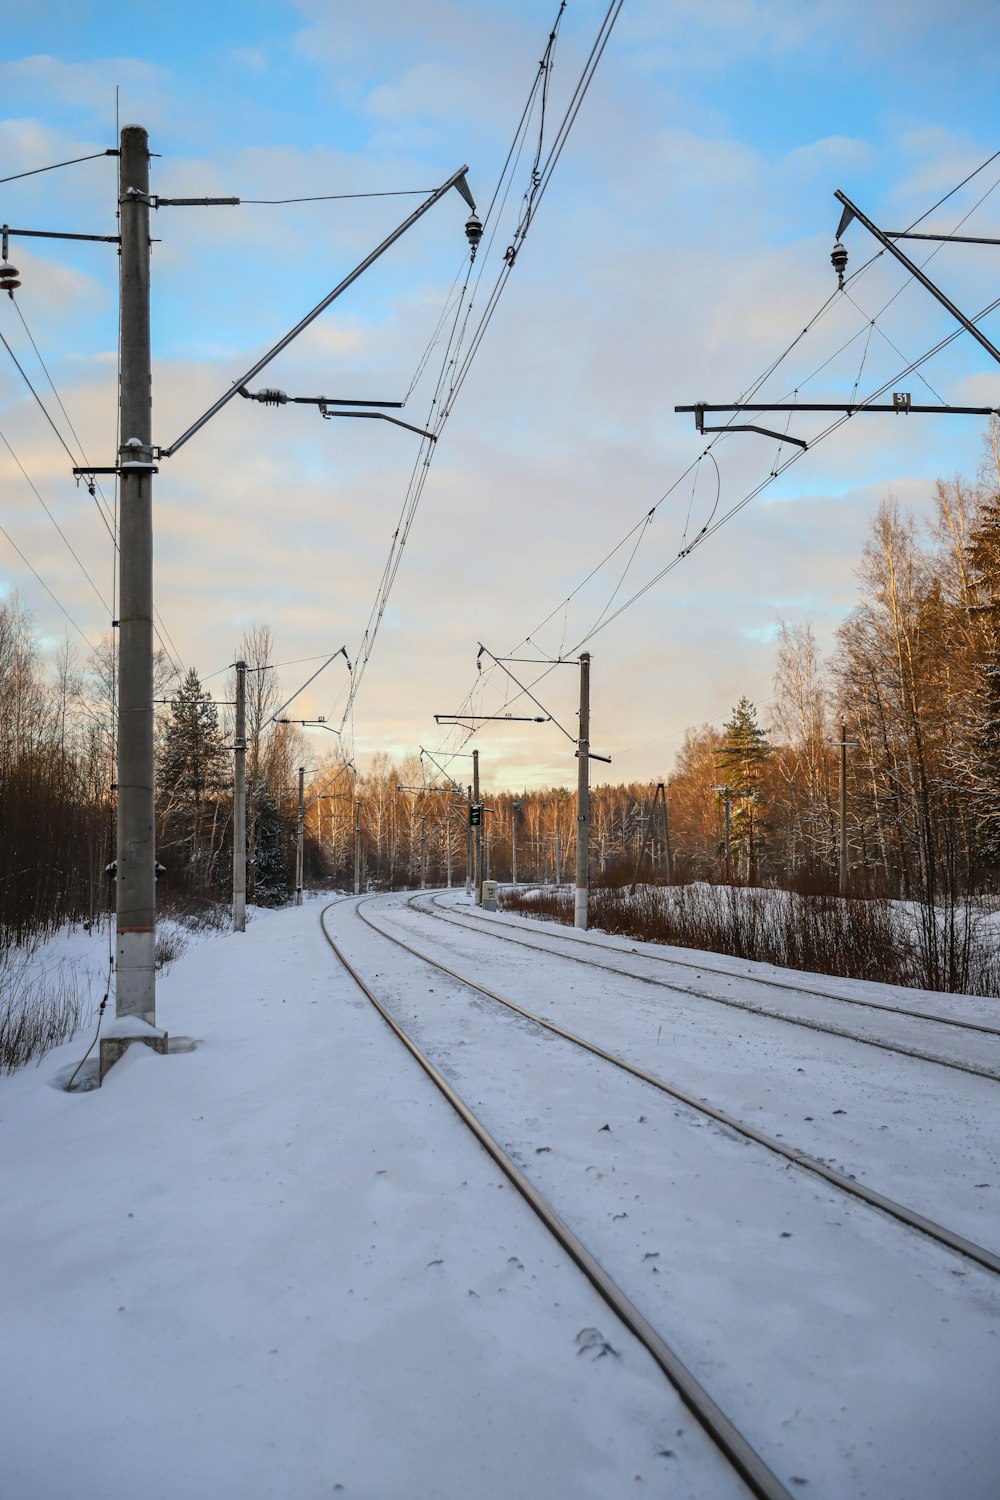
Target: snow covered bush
(38, 1008)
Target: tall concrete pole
(423, 851)
(513, 849)
(843, 807)
(583, 799)
(468, 848)
(729, 829)
(240, 803)
(447, 834)
(478, 840)
(666, 839)
(135, 991)
(300, 838)
(357, 847)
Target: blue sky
(683, 243)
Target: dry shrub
(817, 932)
(37, 1010)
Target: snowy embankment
(951, 948)
(277, 1266)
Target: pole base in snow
(113, 1048)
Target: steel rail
(747, 1007)
(775, 984)
(908, 1216)
(747, 1462)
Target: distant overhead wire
(455, 365)
(101, 508)
(110, 525)
(34, 490)
(59, 605)
(711, 526)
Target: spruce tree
(984, 579)
(191, 774)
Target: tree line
(913, 684)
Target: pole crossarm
(341, 651)
(851, 211)
(58, 234)
(901, 405)
(497, 718)
(549, 718)
(272, 397)
(279, 398)
(454, 784)
(442, 791)
(456, 180)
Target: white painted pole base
(580, 908)
(135, 975)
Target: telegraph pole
(478, 840)
(240, 803)
(357, 847)
(301, 837)
(135, 989)
(583, 799)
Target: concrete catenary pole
(513, 847)
(843, 807)
(240, 803)
(423, 851)
(300, 840)
(729, 830)
(583, 799)
(135, 895)
(357, 847)
(478, 840)
(667, 850)
(468, 848)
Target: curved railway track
(904, 1215)
(747, 1006)
(759, 1478)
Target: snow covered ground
(277, 1265)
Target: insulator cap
(474, 230)
(7, 270)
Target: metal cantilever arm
(851, 211)
(456, 180)
(384, 417)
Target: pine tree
(190, 776)
(741, 759)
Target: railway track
(847, 1184)
(759, 1478)
(527, 1075)
(471, 923)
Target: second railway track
(979, 1069)
(962, 1245)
